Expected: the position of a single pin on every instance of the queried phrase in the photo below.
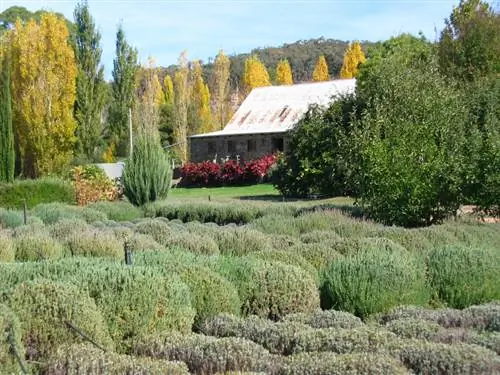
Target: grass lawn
(230, 192)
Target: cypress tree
(7, 154)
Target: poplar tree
(181, 104)
(167, 112)
(148, 100)
(43, 92)
(353, 57)
(90, 85)
(284, 73)
(255, 74)
(124, 71)
(199, 114)
(320, 72)
(7, 154)
(220, 90)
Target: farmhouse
(261, 123)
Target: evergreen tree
(7, 154)
(90, 85)
(124, 70)
(181, 88)
(353, 56)
(284, 73)
(167, 112)
(320, 72)
(255, 74)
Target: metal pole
(25, 209)
(130, 130)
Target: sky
(163, 29)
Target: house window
(277, 144)
(231, 147)
(211, 147)
(251, 145)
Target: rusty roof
(274, 109)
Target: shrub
(346, 364)
(284, 242)
(67, 228)
(200, 174)
(93, 185)
(368, 282)
(326, 319)
(240, 241)
(10, 218)
(95, 243)
(157, 229)
(37, 245)
(45, 308)
(278, 338)
(286, 257)
(148, 173)
(444, 317)
(142, 242)
(317, 236)
(7, 248)
(342, 341)
(481, 317)
(413, 328)
(320, 255)
(489, 340)
(464, 276)
(10, 334)
(193, 243)
(269, 289)
(207, 355)
(118, 211)
(52, 213)
(85, 358)
(424, 357)
(43, 190)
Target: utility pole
(130, 130)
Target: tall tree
(199, 114)
(320, 72)
(353, 56)
(124, 71)
(255, 74)
(181, 104)
(148, 100)
(43, 91)
(284, 73)
(90, 86)
(220, 90)
(7, 153)
(167, 112)
(469, 46)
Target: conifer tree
(7, 154)
(255, 74)
(320, 72)
(181, 106)
(220, 91)
(43, 92)
(90, 85)
(353, 57)
(124, 71)
(284, 73)
(167, 112)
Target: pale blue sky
(164, 28)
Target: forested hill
(302, 56)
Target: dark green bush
(423, 357)
(368, 282)
(45, 308)
(7, 248)
(148, 172)
(326, 319)
(44, 190)
(51, 213)
(85, 358)
(10, 334)
(464, 276)
(117, 211)
(269, 289)
(342, 341)
(413, 328)
(346, 364)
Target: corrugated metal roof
(275, 109)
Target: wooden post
(128, 254)
(25, 211)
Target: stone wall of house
(247, 147)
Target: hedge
(7, 248)
(157, 229)
(413, 328)
(463, 276)
(117, 211)
(326, 319)
(51, 213)
(10, 332)
(46, 307)
(286, 257)
(347, 364)
(67, 228)
(87, 359)
(34, 244)
(44, 190)
(269, 289)
(96, 243)
(369, 282)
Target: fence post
(128, 254)
(25, 209)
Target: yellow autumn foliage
(255, 74)
(284, 73)
(220, 90)
(320, 72)
(43, 94)
(353, 56)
